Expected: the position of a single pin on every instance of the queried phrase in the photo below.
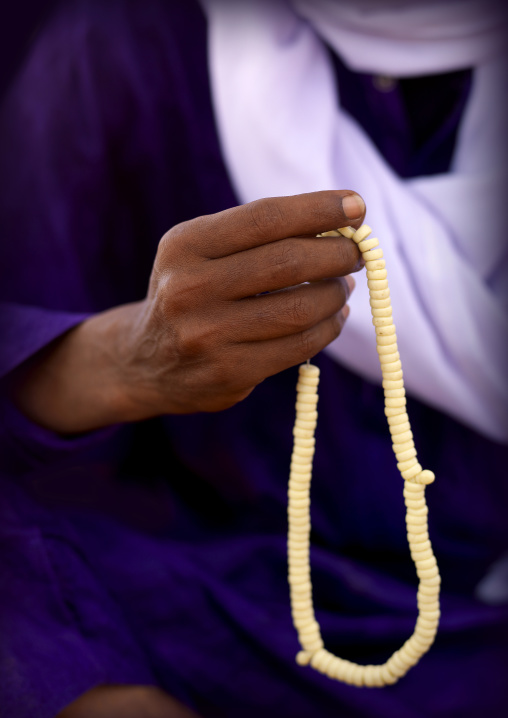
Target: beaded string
(415, 479)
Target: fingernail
(359, 265)
(345, 311)
(353, 206)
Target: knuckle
(174, 237)
(266, 215)
(195, 340)
(308, 344)
(184, 289)
(298, 312)
(286, 263)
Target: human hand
(227, 306)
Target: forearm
(84, 381)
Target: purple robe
(155, 553)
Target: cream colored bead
(308, 370)
(384, 334)
(392, 411)
(297, 563)
(306, 428)
(302, 432)
(407, 464)
(379, 294)
(300, 480)
(399, 428)
(380, 273)
(306, 410)
(416, 525)
(301, 501)
(300, 522)
(412, 521)
(413, 471)
(382, 321)
(308, 399)
(430, 601)
(426, 477)
(393, 375)
(368, 244)
(395, 672)
(418, 510)
(303, 451)
(413, 490)
(405, 455)
(386, 345)
(312, 645)
(398, 419)
(368, 675)
(361, 234)
(298, 574)
(386, 676)
(321, 660)
(374, 265)
(426, 573)
(346, 671)
(357, 675)
(401, 401)
(295, 494)
(404, 447)
(297, 545)
(303, 658)
(390, 367)
(414, 536)
(381, 311)
(302, 460)
(306, 380)
(303, 604)
(300, 621)
(304, 443)
(391, 384)
(401, 438)
(412, 651)
(347, 232)
(427, 623)
(372, 254)
(310, 630)
(414, 502)
(388, 357)
(377, 285)
(300, 484)
(380, 303)
(428, 590)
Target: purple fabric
(155, 553)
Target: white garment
(283, 132)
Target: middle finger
(286, 263)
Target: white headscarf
(283, 132)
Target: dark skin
(207, 332)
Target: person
(149, 383)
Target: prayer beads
(415, 479)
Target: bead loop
(415, 478)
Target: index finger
(267, 220)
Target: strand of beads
(415, 480)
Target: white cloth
(283, 132)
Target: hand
(226, 307)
